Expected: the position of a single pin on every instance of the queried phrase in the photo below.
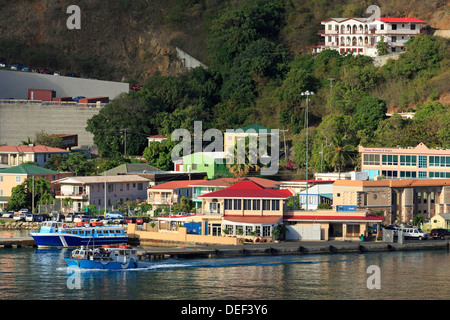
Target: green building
(210, 162)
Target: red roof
(248, 189)
(28, 149)
(176, 184)
(335, 218)
(401, 20)
(226, 182)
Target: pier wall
(179, 236)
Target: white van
(414, 233)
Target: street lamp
(105, 190)
(307, 94)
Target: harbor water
(41, 274)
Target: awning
(269, 220)
(369, 218)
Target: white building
(90, 190)
(360, 35)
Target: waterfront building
(405, 163)
(102, 190)
(246, 207)
(206, 186)
(361, 35)
(398, 200)
(440, 221)
(16, 155)
(170, 193)
(14, 176)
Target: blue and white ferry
(108, 257)
(53, 234)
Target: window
(390, 159)
(275, 205)
(407, 174)
(371, 159)
(413, 26)
(247, 204)
(256, 204)
(140, 186)
(394, 26)
(228, 204)
(422, 174)
(382, 27)
(18, 179)
(422, 162)
(266, 204)
(237, 204)
(408, 160)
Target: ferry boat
(109, 257)
(53, 234)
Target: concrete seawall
(288, 248)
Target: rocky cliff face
(133, 40)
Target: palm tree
(239, 169)
(337, 154)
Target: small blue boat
(53, 234)
(108, 257)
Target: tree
(22, 195)
(159, 154)
(241, 167)
(381, 47)
(337, 153)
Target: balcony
(77, 195)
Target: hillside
(259, 63)
(134, 40)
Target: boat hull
(60, 240)
(100, 265)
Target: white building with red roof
(361, 35)
(16, 155)
(247, 208)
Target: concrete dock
(261, 249)
(288, 248)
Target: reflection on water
(28, 273)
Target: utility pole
(307, 94)
(125, 142)
(284, 137)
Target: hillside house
(361, 35)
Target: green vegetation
(253, 78)
(258, 65)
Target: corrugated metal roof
(29, 169)
(31, 149)
(248, 189)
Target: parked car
(81, 218)
(2, 65)
(115, 215)
(440, 233)
(8, 214)
(78, 98)
(414, 233)
(130, 220)
(20, 216)
(30, 217)
(16, 66)
(43, 217)
(46, 71)
(142, 220)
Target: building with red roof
(361, 35)
(170, 193)
(16, 155)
